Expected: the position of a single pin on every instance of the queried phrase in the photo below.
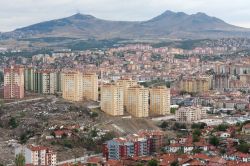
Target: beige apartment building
(72, 86)
(126, 83)
(112, 99)
(90, 86)
(159, 101)
(189, 114)
(200, 84)
(137, 103)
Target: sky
(20, 13)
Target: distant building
(190, 114)
(200, 84)
(137, 104)
(246, 129)
(37, 155)
(72, 86)
(126, 83)
(13, 82)
(77, 86)
(159, 101)
(29, 78)
(112, 99)
(90, 87)
(143, 143)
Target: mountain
(167, 25)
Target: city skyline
(21, 13)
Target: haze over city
(19, 13)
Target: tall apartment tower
(29, 79)
(72, 86)
(159, 101)
(126, 83)
(90, 86)
(46, 82)
(13, 82)
(112, 99)
(137, 103)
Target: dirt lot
(35, 118)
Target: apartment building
(126, 83)
(143, 143)
(199, 84)
(72, 86)
(37, 155)
(159, 101)
(90, 86)
(13, 82)
(137, 103)
(29, 78)
(190, 114)
(112, 99)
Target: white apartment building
(37, 155)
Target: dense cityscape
(173, 90)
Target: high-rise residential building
(29, 73)
(47, 81)
(90, 86)
(137, 103)
(37, 155)
(72, 86)
(112, 99)
(13, 82)
(159, 101)
(126, 83)
(199, 84)
(189, 114)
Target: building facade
(90, 87)
(126, 83)
(14, 82)
(189, 114)
(159, 101)
(112, 99)
(72, 86)
(137, 103)
(37, 155)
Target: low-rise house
(246, 129)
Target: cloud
(18, 13)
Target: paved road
(24, 101)
(80, 159)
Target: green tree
(20, 160)
(13, 123)
(153, 162)
(222, 127)
(243, 147)
(213, 140)
(175, 163)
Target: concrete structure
(112, 99)
(37, 155)
(126, 83)
(159, 101)
(29, 78)
(90, 87)
(138, 98)
(13, 82)
(200, 84)
(72, 86)
(143, 143)
(189, 114)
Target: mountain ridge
(169, 24)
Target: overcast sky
(19, 13)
